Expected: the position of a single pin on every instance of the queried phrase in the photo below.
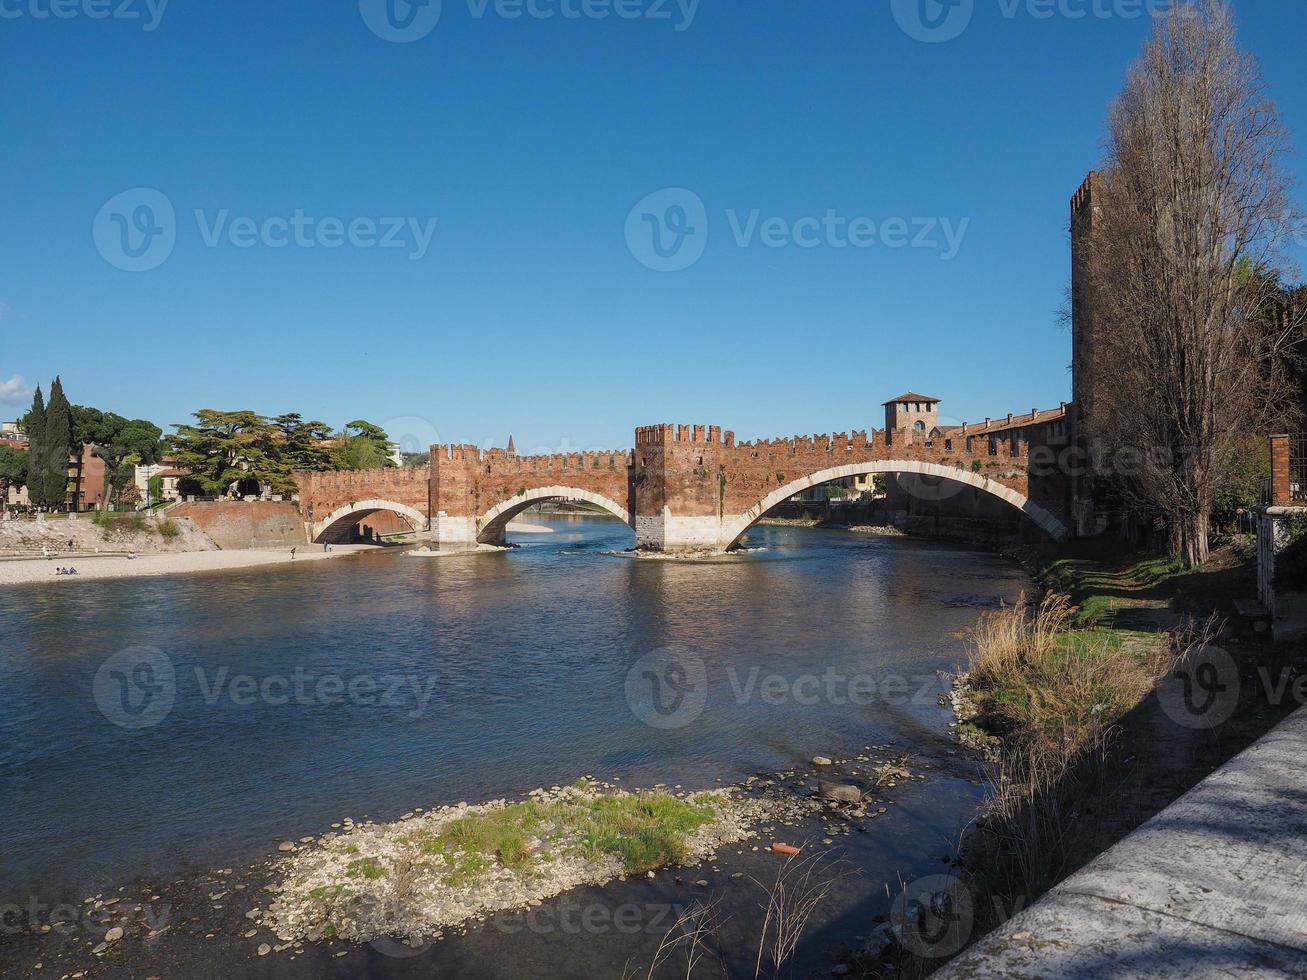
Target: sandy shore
(88, 568)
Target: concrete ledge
(1213, 886)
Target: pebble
(114, 934)
(821, 760)
(285, 846)
(264, 949)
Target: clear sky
(821, 138)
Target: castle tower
(917, 413)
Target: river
(368, 685)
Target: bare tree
(1182, 268)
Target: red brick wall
(245, 523)
(468, 482)
(1280, 470)
(699, 471)
(323, 493)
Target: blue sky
(533, 308)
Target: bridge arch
(340, 520)
(1042, 518)
(492, 525)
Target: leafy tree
(154, 486)
(365, 447)
(221, 448)
(34, 426)
(13, 470)
(304, 445)
(127, 444)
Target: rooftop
(912, 396)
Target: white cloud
(14, 392)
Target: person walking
(292, 554)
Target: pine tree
(58, 444)
(35, 425)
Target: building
(87, 485)
(169, 478)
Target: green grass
(1100, 577)
(368, 868)
(645, 831)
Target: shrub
(168, 529)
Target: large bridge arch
(343, 518)
(492, 525)
(736, 528)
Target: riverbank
(92, 567)
(1076, 703)
(293, 908)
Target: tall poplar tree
(57, 445)
(35, 427)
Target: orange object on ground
(785, 849)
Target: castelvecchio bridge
(693, 488)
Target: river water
(154, 726)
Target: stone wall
(234, 524)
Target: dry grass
(801, 886)
(1055, 698)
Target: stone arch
(491, 526)
(1042, 518)
(359, 509)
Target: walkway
(1213, 886)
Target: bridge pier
(673, 534)
(452, 533)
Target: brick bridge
(682, 488)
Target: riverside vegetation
(429, 871)
(1055, 696)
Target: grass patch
(109, 522)
(645, 831)
(368, 868)
(168, 529)
(1098, 580)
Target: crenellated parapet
(682, 486)
(322, 493)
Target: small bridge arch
(1042, 518)
(492, 525)
(335, 527)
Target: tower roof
(912, 396)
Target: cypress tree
(58, 445)
(36, 442)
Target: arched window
(918, 426)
